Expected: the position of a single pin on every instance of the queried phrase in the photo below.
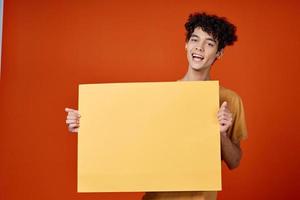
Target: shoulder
(228, 95)
(232, 98)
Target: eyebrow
(210, 38)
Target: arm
(231, 152)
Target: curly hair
(218, 27)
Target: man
(206, 38)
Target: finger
(225, 119)
(224, 115)
(73, 113)
(224, 104)
(225, 123)
(70, 110)
(70, 117)
(227, 114)
(75, 125)
(221, 113)
(72, 128)
(227, 110)
(75, 130)
(71, 121)
(224, 110)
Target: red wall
(49, 47)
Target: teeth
(197, 56)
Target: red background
(51, 46)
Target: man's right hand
(72, 120)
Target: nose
(200, 47)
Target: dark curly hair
(218, 27)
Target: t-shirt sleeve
(239, 128)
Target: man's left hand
(225, 118)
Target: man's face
(201, 50)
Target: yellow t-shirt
(236, 132)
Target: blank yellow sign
(161, 136)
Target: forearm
(231, 153)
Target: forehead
(198, 32)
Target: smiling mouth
(197, 57)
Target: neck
(193, 75)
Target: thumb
(224, 104)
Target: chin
(197, 68)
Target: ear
(220, 53)
(185, 46)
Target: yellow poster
(137, 137)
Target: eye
(211, 44)
(194, 40)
